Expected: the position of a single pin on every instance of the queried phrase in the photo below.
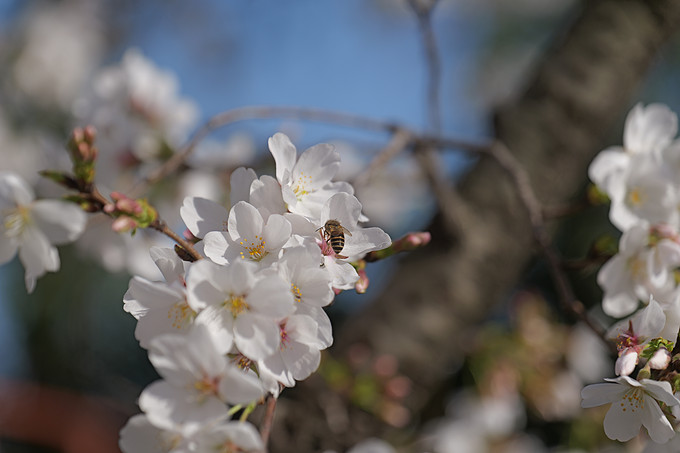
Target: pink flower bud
(78, 135)
(362, 284)
(90, 134)
(123, 224)
(126, 204)
(419, 239)
(660, 359)
(626, 362)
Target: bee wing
(345, 230)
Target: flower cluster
(641, 280)
(247, 320)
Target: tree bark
(425, 318)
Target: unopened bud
(660, 360)
(123, 224)
(626, 362)
(78, 135)
(90, 134)
(362, 284)
(414, 240)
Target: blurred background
(69, 345)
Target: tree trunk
(437, 296)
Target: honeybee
(334, 235)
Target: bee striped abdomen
(337, 241)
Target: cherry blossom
(648, 130)
(634, 404)
(230, 436)
(632, 334)
(139, 435)
(32, 228)
(240, 305)
(248, 237)
(159, 307)
(643, 266)
(306, 180)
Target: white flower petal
(170, 407)
(284, 153)
(316, 166)
(240, 387)
(60, 221)
(607, 166)
(276, 232)
(169, 264)
(343, 274)
(184, 359)
(266, 196)
(242, 435)
(658, 426)
(301, 360)
(220, 325)
(661, 390)
(257, 337)
(271, 297)
(205, 284)
(201, 216)
(37, 256)
(621, 425)
(240, 182)
(245, 222)
(140, 436)
(344, 208)
(649, 129)
(602, 393)
(364, 240)
(215, 246)
(15, 189)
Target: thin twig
(268, 420)
(160, 225)
(511, 165)
(423, 10)
(262, 112)
(100, 201)
(399, 141)
(448, 200)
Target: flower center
(255, 249)
(236, 304)
(299, 189)
(169, 440)
(636, 196)
(297, 294)
(285, 339)
(638, 269)
(16, 220)
(207, 386)
(180, 314)
(228, 447)
(633, 400)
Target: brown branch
(261, 112)
(161, 226)
(400, 140)
(423, 10)
(268, 420)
